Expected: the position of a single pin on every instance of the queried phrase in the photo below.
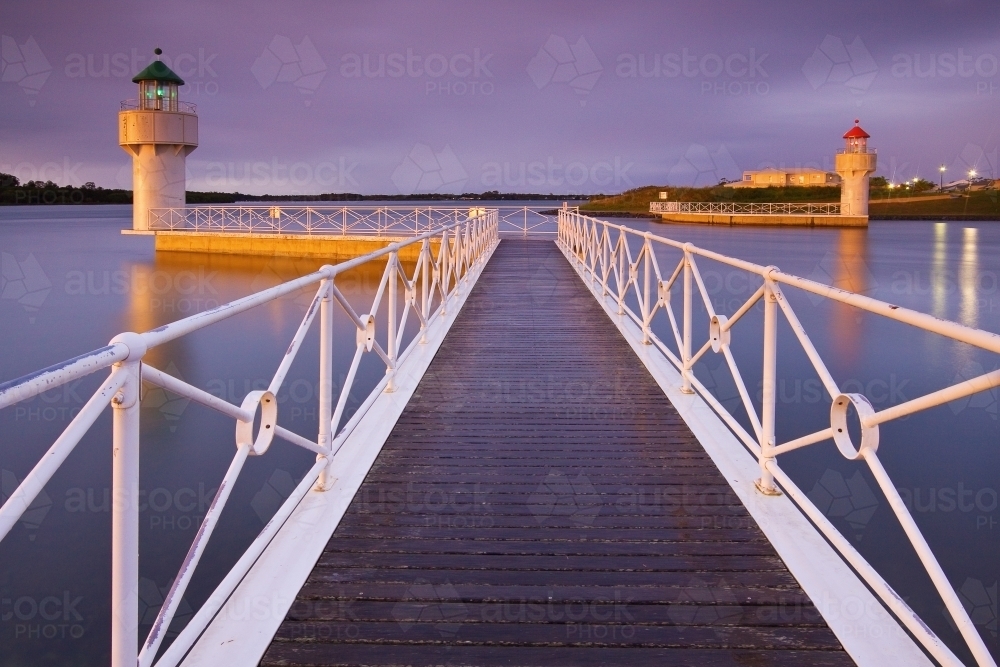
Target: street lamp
(942, 169)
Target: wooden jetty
(540, 502)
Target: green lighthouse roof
(158, 71)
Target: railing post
(444, 274)
(391, 322)
(325, 436)
(425, 282)
(766, 482)
(686, 387)
(647, 249)
(125, 514)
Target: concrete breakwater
(334, 248)
(774, 220)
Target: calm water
(71, 282)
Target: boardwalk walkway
(540, 502)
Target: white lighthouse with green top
(159, 131)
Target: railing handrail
(462, 246)
(750, 208)
(133, 104)
(601, 252)
(339, 219)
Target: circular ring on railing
(366, 336)
(268, 420)
(716, 332)
(838, 424)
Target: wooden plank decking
(540, 502)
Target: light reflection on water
(100, 283)
(968, 277)
(852, 275)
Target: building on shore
(781, 178)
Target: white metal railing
(749, 208)
(601, 253)
(134, 105)
(461, 247)
(395, 221)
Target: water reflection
(968, 278)
(939, 272)
(191, 450)
(851, 274)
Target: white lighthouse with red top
(854, 165)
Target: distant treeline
(13, 192)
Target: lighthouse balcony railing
(450, 259)
(320, 220)
(749, 208)
(857, 150)
(641, 278)
(157, 105)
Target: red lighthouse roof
(856, 132)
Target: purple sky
(514, 96)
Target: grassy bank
(637, 200)
(980, 204)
